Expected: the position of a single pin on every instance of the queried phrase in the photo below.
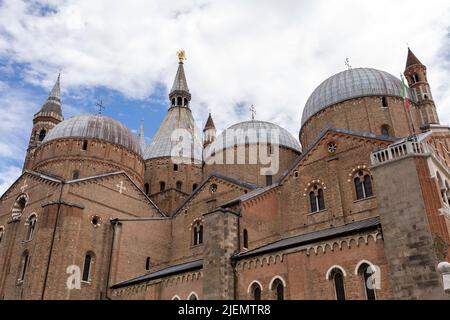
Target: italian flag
(405, 94)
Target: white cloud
(266, 53)
(7, 177)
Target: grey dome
(95, 127)
(350, 84)
(225, 140)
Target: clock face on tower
(332, 148)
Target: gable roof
(218, 176)
(308, 238)
(35, 174)
(322, 135)
(100, 176)
(180, 268)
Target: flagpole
(408, 108)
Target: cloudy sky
(271, 54)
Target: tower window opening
(179, 101)
(185, 102)
(269, 180)
(415, 78)
(384, 102)
(147, 188)
(245, 239)
(175, 167)
(148, 264)
(24, 266)
(162, 186)
(85, 145)
(2, 233)
(87, 267)
(42, 135)
(179, 185)
(173, 101)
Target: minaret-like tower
(44, 121)
(416, 74)
(209, 132)
(141, 136)
(173, 159)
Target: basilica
(356, 207)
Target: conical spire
(209, 123)
(53, 103)
(179, 95)
(180, 82)
(412, 59)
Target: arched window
(337, 277)
(416, 77)
(193, 296)
(31, 226)
(366, 271)
(384, 102)
(147, 188)
(255, 290)
(148, 264)
(24, 265)
(278, 287)
(162, 186)
(194, 186)
(176, 297)
(180, 101)
(76, 175)
(363, 185)
(42, 135)
(173, 101)
(385, 130)
(179, 185)
(317, 199)
(85, 145)
(87, 267)
(185, 101)
(19, 207)
(2, 233)
(245, 236)
(198, 234)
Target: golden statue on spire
(181, 56)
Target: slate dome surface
(252, 134)
(350, 84)
(95, 127)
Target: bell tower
(416, 74)
(209, 132)
(44, 121)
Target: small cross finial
(253, 111)
(100, 106)
(347, 63)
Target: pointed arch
(193, 296)
(275, 278)
(329, 272)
